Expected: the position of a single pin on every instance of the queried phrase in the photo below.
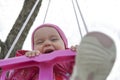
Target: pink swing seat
(44, 62)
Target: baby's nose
(47, 43)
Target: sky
(100, 15)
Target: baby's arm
(37, 52)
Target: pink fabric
(24, 74)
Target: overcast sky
(98, 14)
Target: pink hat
(61, 33)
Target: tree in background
(27, 7)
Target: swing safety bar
(44, 62)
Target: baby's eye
(54, 39)
(39, 42)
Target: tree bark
(27, 7)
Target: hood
(61, 33)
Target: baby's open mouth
(49, 51)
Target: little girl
(45, 39)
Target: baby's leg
(95, 57)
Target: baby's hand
(74, 48)
(32, 53)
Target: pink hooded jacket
(62, 71)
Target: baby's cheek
(38, 48)
(62, 48)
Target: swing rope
(84, 23)
(75, 15)
(20, 32)
(47, 11)
(77, 19)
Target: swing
(45, 63)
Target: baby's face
(47, 40)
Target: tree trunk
(5, 46)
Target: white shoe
(95, 58)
